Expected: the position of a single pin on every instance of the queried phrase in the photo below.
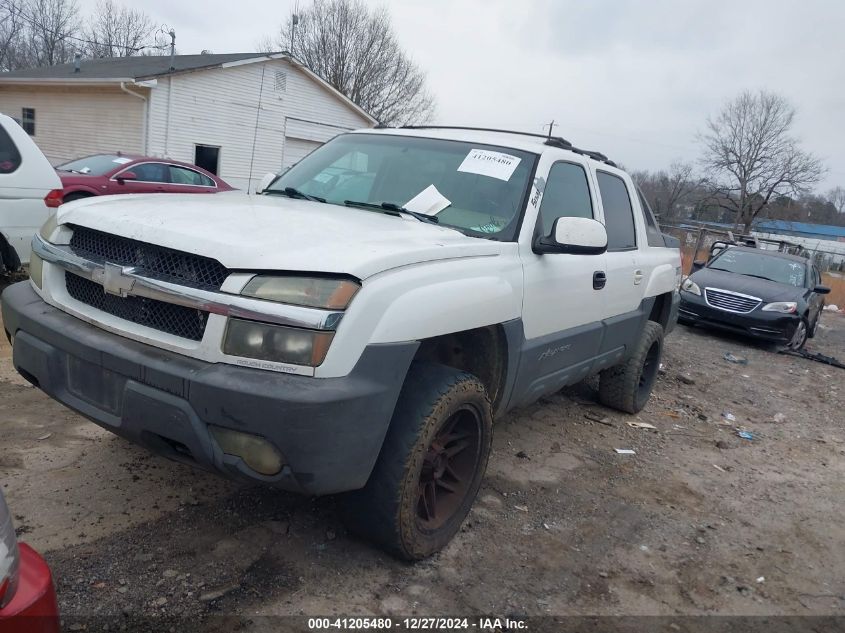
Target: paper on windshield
(429, 201)
(487, 163)
(122, 161)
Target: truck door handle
(599, 279)
(638, 277)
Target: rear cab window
(10, 157)
(618, 212)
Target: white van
(30, 190)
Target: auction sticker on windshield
(487, 163)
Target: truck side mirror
(698, 264)
(576, 236)
(822, 290)
(126, 175)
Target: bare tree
(836, 197)
(355, 50)
(751, 157)
(666, 190)
(12, 26)
(52, 28)
(117, 31)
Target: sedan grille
(730, 301)
(166, 317)
(153, 261)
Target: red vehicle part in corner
(33, 609)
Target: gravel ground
(699, 521)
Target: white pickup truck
(355, 327)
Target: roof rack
(551, 141)
(594, 155)
(555, 141)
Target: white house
(238, 115)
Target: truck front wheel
(628, 386)
(430, 466)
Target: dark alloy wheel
(430, 466)
(448, 468)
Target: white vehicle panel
(22, 192)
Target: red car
(106, 174)
(27, 596)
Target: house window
(28, 120)
(207, 157)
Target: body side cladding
(549, 363)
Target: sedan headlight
(787, 307)
(690, 286)
(9, 556)
(312, 292)
(276, 343)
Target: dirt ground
(699, 521)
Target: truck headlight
(787, 307)
(48, 228)
(276, 343)
(690, 286)
(311, 292)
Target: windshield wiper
(291, 192)
(392, 207)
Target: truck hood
(275, 233)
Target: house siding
(78, 120)
(219, 107)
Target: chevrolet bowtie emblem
(116, 279)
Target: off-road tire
(627, 386)
(386, 510)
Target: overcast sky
(633, 79)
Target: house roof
(134, 69)
(775, 226)
(140, 67)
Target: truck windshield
(779, 269)
(478, 189)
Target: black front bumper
(770, 326)
(329, 430)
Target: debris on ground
(46, 436)
(641, 425)
(522, 455)
(625, 451)
(727, 415)
(739, 360)
(831, 308)
(816, 356)
(687, 380)
(601, 420)
(746, 435)
(778, 417)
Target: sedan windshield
(97, 165)
(478, 189)
(758, 264)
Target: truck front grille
(729, 301)
(150, 260)
(165, 317)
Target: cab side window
(618, 214)
(10, 157)
(150, 172)
(567, 194)
(653, 234)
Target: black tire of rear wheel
(75, 196)
(385, 510)
(619, 386)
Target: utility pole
(550, 126)
(294, 19)
(172, 35)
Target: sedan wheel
(800, 336)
